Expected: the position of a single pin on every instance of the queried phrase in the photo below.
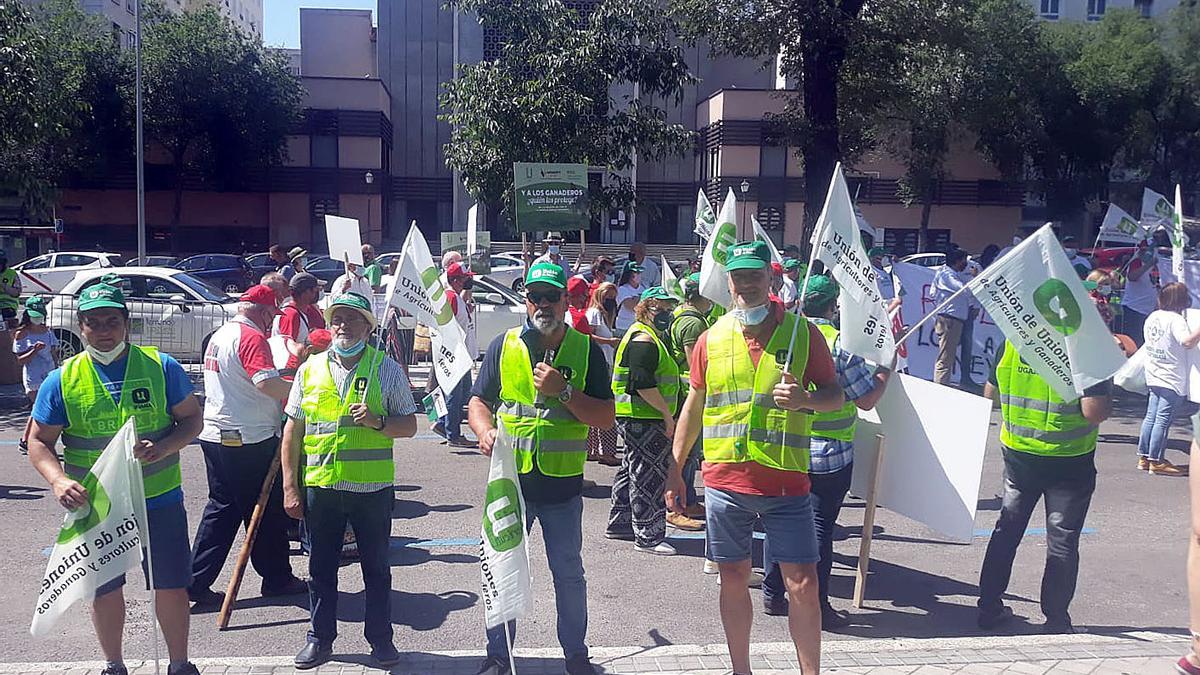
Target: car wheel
(68, 344)
(232, 287)
(518, 285)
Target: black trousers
(828, 493)
(1067, 484)
(235, 478)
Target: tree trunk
(923, 232)
(821, 146)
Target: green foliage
(562, 91)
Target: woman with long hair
(629, 292)
(601, 312)
(33, 343)
(1168, 337)
(646, 388)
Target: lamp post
(744, 187)
(369, 178)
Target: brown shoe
(609, 460)
(1143, 463)
(695, 511)
(682, 522)
(1165, 468)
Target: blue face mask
(353, 350)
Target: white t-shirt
(358, 285)
(1166, 357)
(625, 317)
(1140, 295)
(237, 358)
(787, 293)
(600, 328)
(651, 274)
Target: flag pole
(812, 258)
(900, 340)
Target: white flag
(1039, 303)
(503, 551)
(705, 218)
(472, 230)
(1119, 226)
(761, 234)
(670, 283)
(714, 278)
(866, 329)
(1177, 236)
(1156, 210)
(100, 540)
(417, 288)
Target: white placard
(933, 460)
(345, 242)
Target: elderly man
(344, 410)
(85, 402)
(372, 271)
(545, 384)
(353, 280)
(650, 272)
(449, 426)
(756, 376)
(553, 243)
(277, 283)
(243, 394)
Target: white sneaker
(710, 567)
(662, 549)
(756, 579)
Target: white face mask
(1070, 252)
(552, 249)
(37, 320)
(1104, 290)
(751, 316)
(106, 357)
(301, 261)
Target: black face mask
(662, 320)
(610, 306)
(468, 284)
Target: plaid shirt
(857, 380)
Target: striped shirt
(857, 380)
(397, 400)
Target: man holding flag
(540, 387)
(345, 408)
(85, 402)
(755, 375)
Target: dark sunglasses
(538, 298)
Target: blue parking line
(472, 542)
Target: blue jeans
(455, 400)
(562, 530)
(787, 519)
(689, 471)
(1160, 411)
(326, 513)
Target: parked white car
(509, 270)
(497, 308)
(51, 272)
(168, 309)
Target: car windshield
(489, 285)
(203, 288)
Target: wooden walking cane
(868, 531)
(239, 569)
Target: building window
(319, 207)
(1096, 9)
(772, 160)
(132, 39)
(1050, 9)
(323, 151)
(1146, 7)
(770, 216)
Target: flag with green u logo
(503, 552)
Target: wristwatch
(382, 423)
(566, 393)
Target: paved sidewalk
(1133, 653)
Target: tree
(554, 94)
(214, 100)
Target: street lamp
(369, 178)
(745, 187)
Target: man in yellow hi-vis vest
(755, 419)
(831, 454)
(84, 403)
(345, 408)
(1049, 453)
(545, 383)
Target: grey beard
(546, 324)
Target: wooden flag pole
(868, 531)
(239, 569)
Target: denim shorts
(169, 548)
(787, 520)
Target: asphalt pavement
(1131, 577)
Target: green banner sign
(551, 197)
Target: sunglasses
(538, 297)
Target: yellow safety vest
(741, 420)
(666, 375)
(839, 424)
(1035, 418)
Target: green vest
(538, 426)
(741, 420)
(93, 418)
(7, 278)
(1036, 419)
(837, 425)
(336, 448)
(666, 375)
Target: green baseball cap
(101, 295)
(877, 251)
(694, 277)
(632, 266)
(656, 293)
(748, 255)
(792, 263)
(820, 288)
(35, 306)
(353, 301)
(547, 273)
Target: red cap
(577, 286)
(457, 270)
(776, 268)
(261, 295)
(320, 338)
